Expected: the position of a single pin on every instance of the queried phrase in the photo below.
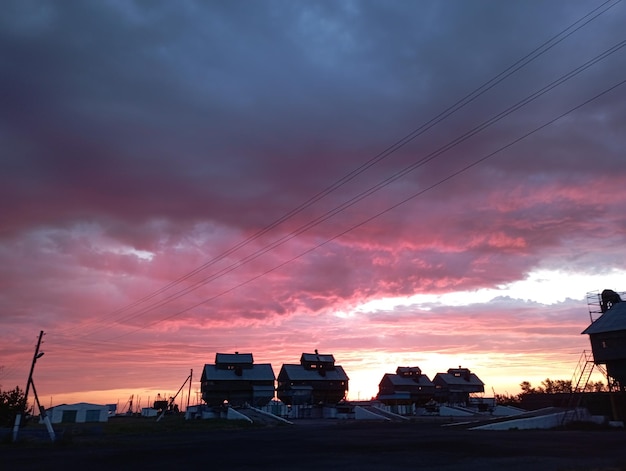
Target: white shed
(78, 413)
(149, 412)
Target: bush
(11, 403)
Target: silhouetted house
(456, 385)
(407, 386)
(316, 380)
(236, 379)
(607, 335)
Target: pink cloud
(130, 178)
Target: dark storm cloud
(140, 140)
(148, 110)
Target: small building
(406, 387)
(149, 412)
(81, 412)
(607, 335)
(236, 379)
(455, 386)
(316, 380)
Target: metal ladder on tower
(580, 379)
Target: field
(135, 443)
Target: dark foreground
(345, 445)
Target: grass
(169, 423)
(119, 428)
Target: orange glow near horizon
(531, 342)
(502, 373)
(363, 384)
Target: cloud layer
(182, 179)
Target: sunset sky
(398, 183)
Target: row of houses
(410, 386)
(235, 379)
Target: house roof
(458, 377)
(299, 373)
(398, 380)
(612, 320)
(258, 372)
(233, 358)
(408, 370)
(80, 405)
(317, 358)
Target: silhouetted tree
(507, 399)
(11, 402)
(549, 386)
(598, 386)
(527, 388)
(556, 386)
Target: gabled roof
(408, 370)
(458, 377)
(612, 320)
(233, 358)
(80, 405)
(317, 358)
(299, 373)
(258, 372)
(397, 380)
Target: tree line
(548, 386)
(13, 401)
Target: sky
(396, 183)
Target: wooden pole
(42, 414)
(18, 416)
(172, 399)
(189, 393)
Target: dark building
(236, 379)
(456, 385)
(408, 386)
(316, 380)
(607, 335)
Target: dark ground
(317, 445)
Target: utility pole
(172, 399)
(42, 414)
(189, 394)
(18, 417)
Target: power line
(380, 213)
(372, 190)
(519, 64)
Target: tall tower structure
(607, 335)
